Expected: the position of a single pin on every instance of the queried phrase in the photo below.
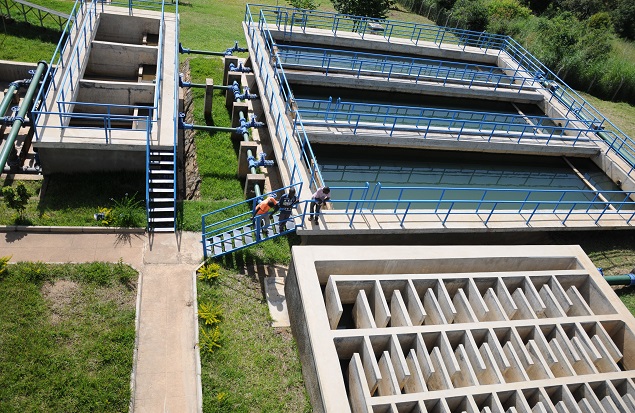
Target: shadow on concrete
(15, 236)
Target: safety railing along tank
(61, 56)
(410, 202)
(618, 142)
(290, 19)
(364, 64)
(73, 66)
(527, 133)
(287, 18)
(274, 83)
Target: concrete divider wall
(125, 29)
(119, 60)
(115, 93)
(10, 71)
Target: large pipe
(627, 279)
(27, 104)
(6, 100)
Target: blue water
(342, 167)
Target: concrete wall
(91, 158)
(125, 29)
(119, 60)
(114, 93)
(10, 71)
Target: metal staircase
(237, 238)
(161, 190)
(232, 228)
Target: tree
(369, 8)
(16, 198)
(304, 4)
(624, 19)
(471, 15)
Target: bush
(624, 19)
(471, 14)
(127, 212)
(4, 263)
(304, 4)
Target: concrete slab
(274, 291)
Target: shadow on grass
(78, 193)
(30, 31)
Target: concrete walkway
(165, 362)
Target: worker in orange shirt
(263, 212)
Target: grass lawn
(67, 334)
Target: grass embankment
(29, 41)
(72, 200)
(256, 368)
(67, 334)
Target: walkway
(165, 364)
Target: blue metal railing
(79, 37)
(218, 226)
(460, 127)
(59, 62)
(290, 20)
(274, 83)
(176, 105)
(444, 202)
(417, 69)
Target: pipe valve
(230, 50)
(240, 68)
(245, 95)
(253, 163)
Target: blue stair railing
(233, 228)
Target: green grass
(620, 113)
(256, 368)
(67, 334)
(71, 200)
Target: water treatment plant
(420, 131)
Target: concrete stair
(161, 184)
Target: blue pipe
(245, 95)
(240, 68)
(228, 52)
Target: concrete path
(165, 365)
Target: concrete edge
(135, 351)
(197, 348)
(71, 230)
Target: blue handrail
(417, 69)
(290, 20)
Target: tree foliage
(369, 8)
(304, 4)
(17, 198)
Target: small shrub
(210, 314)
(209, 272)
(35, 272)
(106, 216)
(16, 199)
(4, 264)
(209, 340)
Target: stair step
(161, 199)
(162, 171)
(163, 229)
(164, 190)
(238, 238)
(157, 162)
(161, 181)
(161, 209)
(151, 219)
(161, 152)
